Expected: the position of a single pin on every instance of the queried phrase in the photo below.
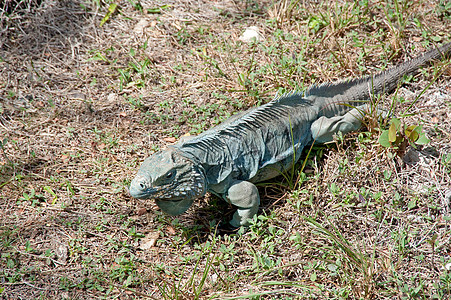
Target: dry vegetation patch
(81, 105)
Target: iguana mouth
(143, 194)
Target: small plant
(135, 102)
(32, 197)
(399, 137)
(443, 10)
(346, 260)
(135, 234)
(195, 284)
(316, 23)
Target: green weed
(343, 259)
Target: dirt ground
(82, 105)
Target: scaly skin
(261, 143)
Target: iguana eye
(169, 175)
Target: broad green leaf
(396, 122)
(422, 140)
(392, 132)
(411, 133)
(383, 139)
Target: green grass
(350, 221)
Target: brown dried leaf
(170, 139)
(149, 240)
(171, 230)
(141, 211)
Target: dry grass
(82, 105)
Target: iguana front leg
(244, 195)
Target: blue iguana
(260, 143)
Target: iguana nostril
(142, 185)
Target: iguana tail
(387, 81)
(338, 98)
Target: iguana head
(171, 179)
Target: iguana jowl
(258, 144)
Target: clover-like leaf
(392, 132)
(422, 139)
(412, 133)
(383, 139)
